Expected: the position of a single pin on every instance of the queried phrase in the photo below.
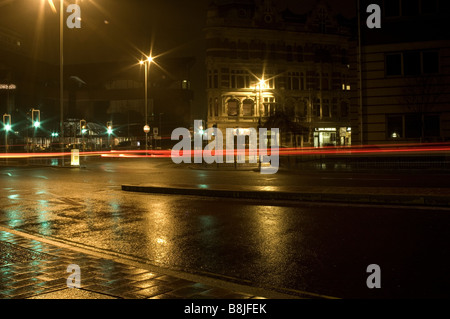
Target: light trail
(424, 149)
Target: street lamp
(146, 63)
(109, 127)
(83, 129)
(61, 71)
(7, 125)
(36, 118)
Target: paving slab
(42, 273)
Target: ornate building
(267, 66)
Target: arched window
(233, 107)
(248, 107)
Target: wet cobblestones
(33, 269)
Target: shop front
(332, 136)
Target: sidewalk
(408, 196)
(33, 269)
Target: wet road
(323, 249)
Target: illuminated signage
(325, 129)
(8, 87)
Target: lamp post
(146, 63)
(35, 122)
(261, 84)
(7, 127)
(109, 127)
(83, 130)
(160, 130)
(61, 72)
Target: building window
(334, 108)
(432, 126)
(394, 64)
(289, 54)
(300, 54)
(213, 79)
(325, 82)
(410, 126)
(233, 107)
(326, 108)
(411, 63)
(240, 79)
(248, 107)
(316, 108)
(413, 126)
(394, 125)
(269, 106)
(344, 109)
(293, 81)
(430, 62)
(185, 84)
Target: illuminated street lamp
(109, 130)
(83, 129)
(7, 126)
(146, 63)
(36, 118)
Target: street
(318, 248)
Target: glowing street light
(36, 118)
(146, 63)
(109, 129)
(7, 125)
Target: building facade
(267, 66)
(404, 95)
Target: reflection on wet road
(322, 249)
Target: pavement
(405, 196)
(34, 268)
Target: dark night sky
(123, 29)
(174, 25)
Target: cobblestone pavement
(33, 269)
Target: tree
(284, 122)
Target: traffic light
(83, 126)
(7, 122)
(36, 118)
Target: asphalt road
(317, 248)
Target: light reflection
(43, 218)
(159, 229)
(116, 214)
(14, 218)
(271, 233)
